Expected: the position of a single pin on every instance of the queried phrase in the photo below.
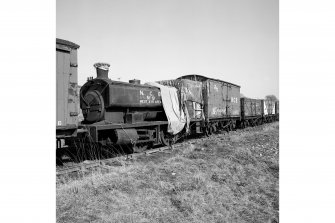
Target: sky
(150, 40)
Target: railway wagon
(190, 97)
(277, 110)
(269, 110)
(221, 102)
(67, 99)
(190, 93)
(251, 112)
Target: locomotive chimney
(102, 70)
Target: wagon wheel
(253, 123)
(163, 139)
(234, 125)
(227, 128)
(205, 130)
(210, 130)
(231, 127)
(166, 138)
(213, 127)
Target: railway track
(104, 164)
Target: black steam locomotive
(121, 113)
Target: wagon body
(67, 99)
(277, 107)
(221, 99)
(251, 108)
(190, 93)
(268, 107)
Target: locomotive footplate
(121, 125)
(98, 132)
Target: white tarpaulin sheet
(175, 115)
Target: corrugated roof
(67, 43)
(203, 78)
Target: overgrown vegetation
(224, 178)
(271, 97)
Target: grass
(223, 178)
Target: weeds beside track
(223, 178)
(104, 164)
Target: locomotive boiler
(102, 99)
